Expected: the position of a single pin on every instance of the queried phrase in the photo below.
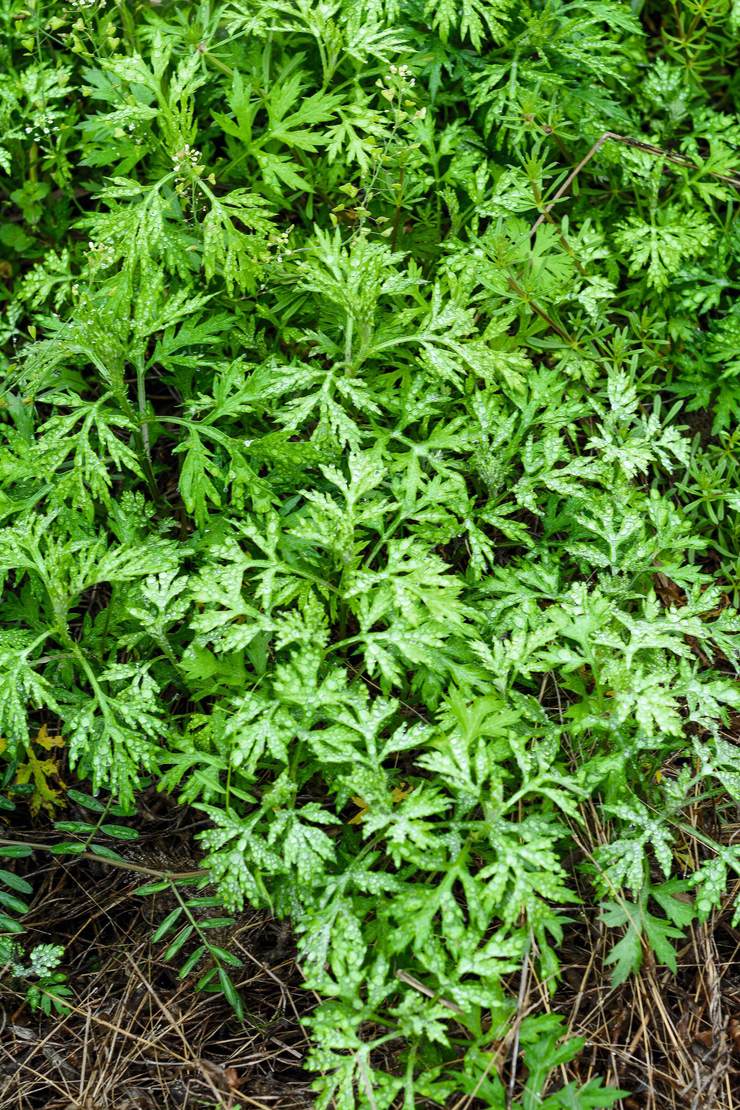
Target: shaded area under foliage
(137, 1036)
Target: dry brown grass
(672, 1041)
(138, 1038)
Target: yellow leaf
(39, 771)
(48, 742)
(358, 816)
(400, 792)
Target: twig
(716, 1066)
(124, 865)
(523, 988)
(637, 144)
(410, 981)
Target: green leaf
(86, 800)
(182, 937)
(152, 888)
(15, 882)
(166, 925)
(83, 828)
(120, 832)
(193, 959)
(104, 850)
(230, 993)
(68, 848)
(10, 925)
(15, 851)
(17, 905)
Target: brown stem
(637, 144)
(124, 865)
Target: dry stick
(523, 989)
(494, 1058)
(637, 144)
(706, 1084)
(582, 990)
(542, 988)
(125, 897)
(124, 865)
(112, 1056)
(197, 1062)
(641, 1035)
(163, 1007)
(83, 1068)
(411, 981)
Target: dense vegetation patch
(369, 482)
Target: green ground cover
(368, 481)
